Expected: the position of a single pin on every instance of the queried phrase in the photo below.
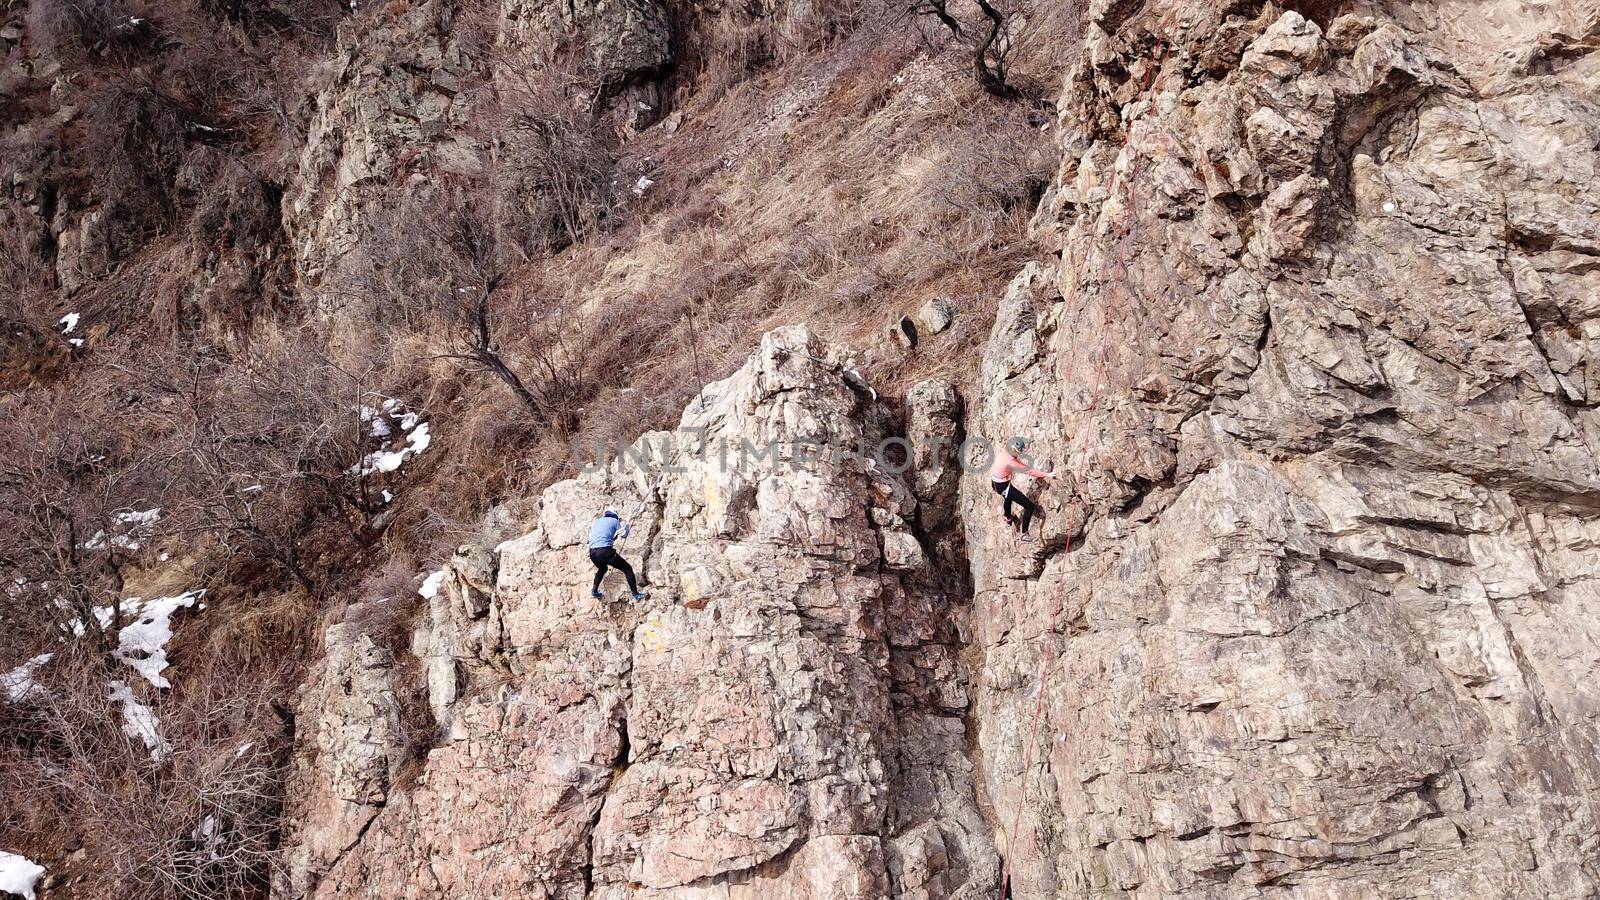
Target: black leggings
(1012, 495)
(608, 556)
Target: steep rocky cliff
(1315, 365)
(784, 717)
(1314, 613)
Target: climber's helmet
(1017, 444)
(612, 512)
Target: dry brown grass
(838, 190)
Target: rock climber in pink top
(1005, 465)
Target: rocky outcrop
(1313, 612)
(349, 749)
(784, 717)
(387, 106)
(622, 42)
(1311, 354)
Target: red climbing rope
(1048, 663)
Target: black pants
(604, 557)
(1012, 495)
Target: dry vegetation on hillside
(584, 285)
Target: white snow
(208, 834)
(386, 461)
(76, 342)
(374, 420)
(643, 184)
(18, 683)
(142, 644)
(102, 615)
(139, 518)
(388, 497)
(421, 438)
(389, 458)
(18, 874)
(68, 322)
(139, 721)
(430, 586)
(127, 525)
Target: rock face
(388, 105)
(402, 105)
(349, 752)
(1315, 369)
(1314, 612)
(800, 734)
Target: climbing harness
(1048, 664)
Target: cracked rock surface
(1314, 609)
(1312, 367)
(799, 734)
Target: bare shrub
(554, 173)
(1037, 34)
(91, 31)
(25, 270)
(272, 449)
(80, 502)
(447, 269)
(313, 18)
(198, 819)
(728, 42)
(388, 604)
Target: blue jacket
(603, 533)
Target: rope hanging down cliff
(1119, 278)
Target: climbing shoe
(642, 595)
(1027, 539)
(597, 595)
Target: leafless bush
(199, 819)
(448, 269)
(83, 31)
(134, 138)
(271, 447)
(388, 604)
(1035, 35)
(315, 18)
(728, 42)
(555, 166)
(25, 270)
(79, 501)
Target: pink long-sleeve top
(1006, 465)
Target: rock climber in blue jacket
(602, 535)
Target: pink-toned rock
(1327, 454)
(766, 744)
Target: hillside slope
(1310, 373)
(1295, 302)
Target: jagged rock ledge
(800, 734)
